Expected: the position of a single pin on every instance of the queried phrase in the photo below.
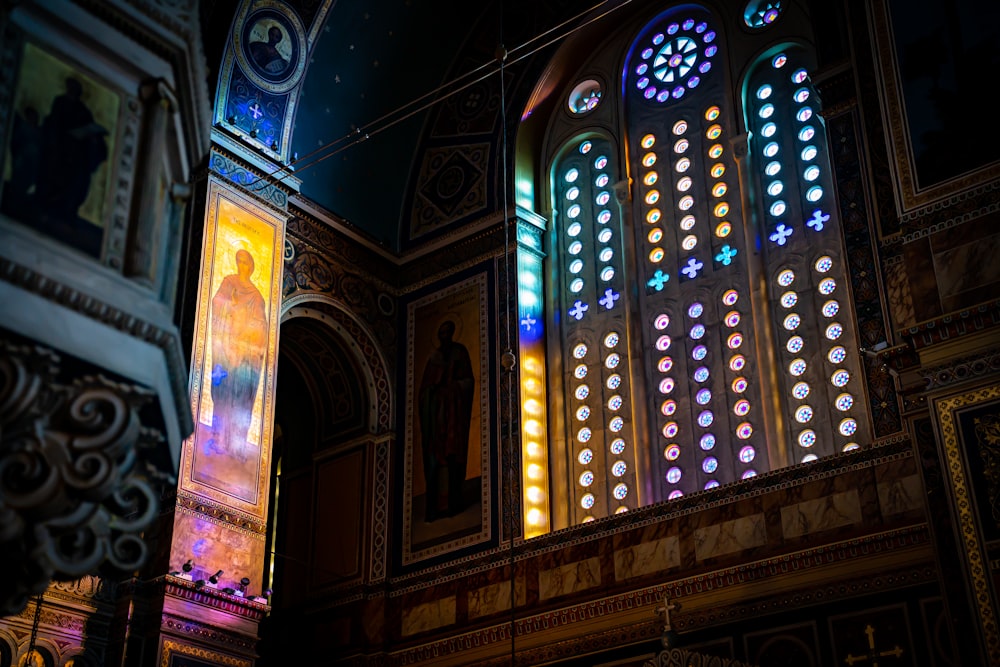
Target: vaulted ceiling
(378, 71)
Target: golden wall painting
(447, 455)
(58, 162)
(227, 458)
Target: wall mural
(57, 171)
(447, 454)
(227, 458)
(261, 72)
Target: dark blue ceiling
(371, 61)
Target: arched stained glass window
(700, 331)
(695, 307)
(591, 277)
(819, 367)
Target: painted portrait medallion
(271, 47)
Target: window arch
(699, 329)
(700, 367)
(589, 281)
(819, 366)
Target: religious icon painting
(59, 159)
(448, 463)
(968, 425)
(271, 47)
(227, 458)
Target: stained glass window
(592, 281)
(661, 337)
(803, 256)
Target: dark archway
(316, 538)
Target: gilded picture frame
(447, 402)
(900, 118)
(957, 420)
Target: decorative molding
(926, 221)
(123, 174)
(954, 325)
(970, 547)
(170, 648)
(206, 633)
(221, 514)
(889, 450)
(635, 601)
(215, 598)
(678, 657)
(156, 25)
(380, 513)
(961, 370)
(369, 351)
(251, 182)
(69, 297)
(909, 195)
(75, 494)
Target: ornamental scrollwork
(76, 491)
(678, 657)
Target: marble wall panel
(488, 600)
(571, 578)
(813, 516)
(429, 615)
(730, 536)
(647, 558)
(900, 495)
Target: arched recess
(332, 411)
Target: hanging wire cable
(508, 360)
(439, 94)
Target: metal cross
(873, 655)
(817, 220)
(256, 111)
(609, 298)
(692, 268)
(726, 255)
(781, 234)
(658, 280)
(665, 610)
(578, 309)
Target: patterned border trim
(954, 325)
(961, 370)
(914, 576)
(988, 193)
(221, 514)
(380, 513)
(886, 450)
(206, 633)
(169, 648)
(251, 182)
(68, 297)
(978, 568)
(870, 309)
(913, 536)
(369, 350)
(214, 598)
